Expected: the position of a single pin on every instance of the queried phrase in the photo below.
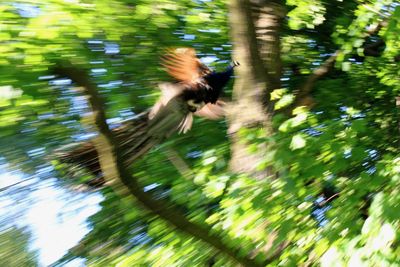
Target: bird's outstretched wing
(184, 66)
(170, 112)
(171, 117)
(168, 92)
(212, 111)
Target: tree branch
(179, 164)
(303, 93)
(318, 73)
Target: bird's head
(235, 63)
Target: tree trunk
(255, 34)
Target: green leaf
(298, 141)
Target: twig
(17, 183)
(179, 164)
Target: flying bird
(195, 91)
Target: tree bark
(255, 35)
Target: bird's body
(216, 81)
(196, 90)
(196, 85)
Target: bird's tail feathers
(186, 124)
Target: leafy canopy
(336, 198)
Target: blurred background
(311, 178)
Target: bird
(195, 90)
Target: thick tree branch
(113, 166)
(317, 74)
(303, 94)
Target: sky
(55, 216)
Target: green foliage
(14, 249)
(344, 150)
(306, 14)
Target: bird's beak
(235, 63)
